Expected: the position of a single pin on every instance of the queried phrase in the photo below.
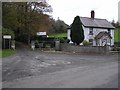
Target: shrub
(86, 43)
(116, 49)
(77, 32)
(61, 39)
(6, 53)
(6, 31)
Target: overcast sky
(66, 10)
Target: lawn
(117, 35)
(5, 53)
(59, 35)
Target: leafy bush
(61, 39)
(116, 49)
(5, 53)
(86, 43)
(58, 35)
(117, 34)
(50, 39)
(6, 31)
(77, 32)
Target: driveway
(35, 69)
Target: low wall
(84, 49)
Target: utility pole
(119, 11)
(0, 15)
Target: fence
(84, 49)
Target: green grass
(0, 53)
(6, 53)
(117, 35)
(59, 35)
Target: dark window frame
(109, 31)
(90, 31)
(91, 40)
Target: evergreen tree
(77, 33)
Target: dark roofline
(93, 27)
(99, 27)
(103, 33)
(94, 18)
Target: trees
(6, 31)
(9, 16)
(26, 18)
(77, 33)
(115, 24)
(58, 26)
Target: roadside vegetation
(6, 53)
(77, 32)
(25, 21)
(58, 35)
(116, 40)
(116, 36)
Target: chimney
(92, 14)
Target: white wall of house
(96, 31)
(112, 35)
(68, 34)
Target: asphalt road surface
(35, 69)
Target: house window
(91, 41)
(109, 31)
(90, 31)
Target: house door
(104, 42)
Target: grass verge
(6, 53)
(116, 36)
(59, 35)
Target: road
(0, 73)
(35, 69)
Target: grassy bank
(117, 35)
(5, 53)
(59, 35)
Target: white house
(97, 31)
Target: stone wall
(84, 49)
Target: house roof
(101, 34)
(96, 23)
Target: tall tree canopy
(6, 31)
(58, 26)
(77, 33)
(26, 18)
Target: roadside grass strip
(116, 36)
(6, 53)
(59, 35)
(0, 54)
